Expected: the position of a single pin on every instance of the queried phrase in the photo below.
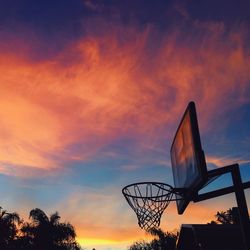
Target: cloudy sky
(91, 94)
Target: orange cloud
(100, 89)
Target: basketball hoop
(149, 200)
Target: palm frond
(38, 216)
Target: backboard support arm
(238, 188)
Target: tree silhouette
(230, 216)
(48, 232)
(141, 245)
(8, 229)
(167, 241)
(163, 241)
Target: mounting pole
(238, 188)
(242, 206)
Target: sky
(92, 92)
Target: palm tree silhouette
(230, 216)
(48, 232)
(8, 229)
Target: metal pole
(242, 206)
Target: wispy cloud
(63, 109)
(221, 161)
(105, 216)
(102, 214)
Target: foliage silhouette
(8, 229)
(163, 241)
(230, 216)
(48, 233)
(140, 245)
(41, 233)
(167, 241)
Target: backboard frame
(193, 157)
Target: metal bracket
(238, 188)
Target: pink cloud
(65, 109)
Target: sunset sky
(92, 92)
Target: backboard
(187, 157)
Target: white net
(148, 200)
